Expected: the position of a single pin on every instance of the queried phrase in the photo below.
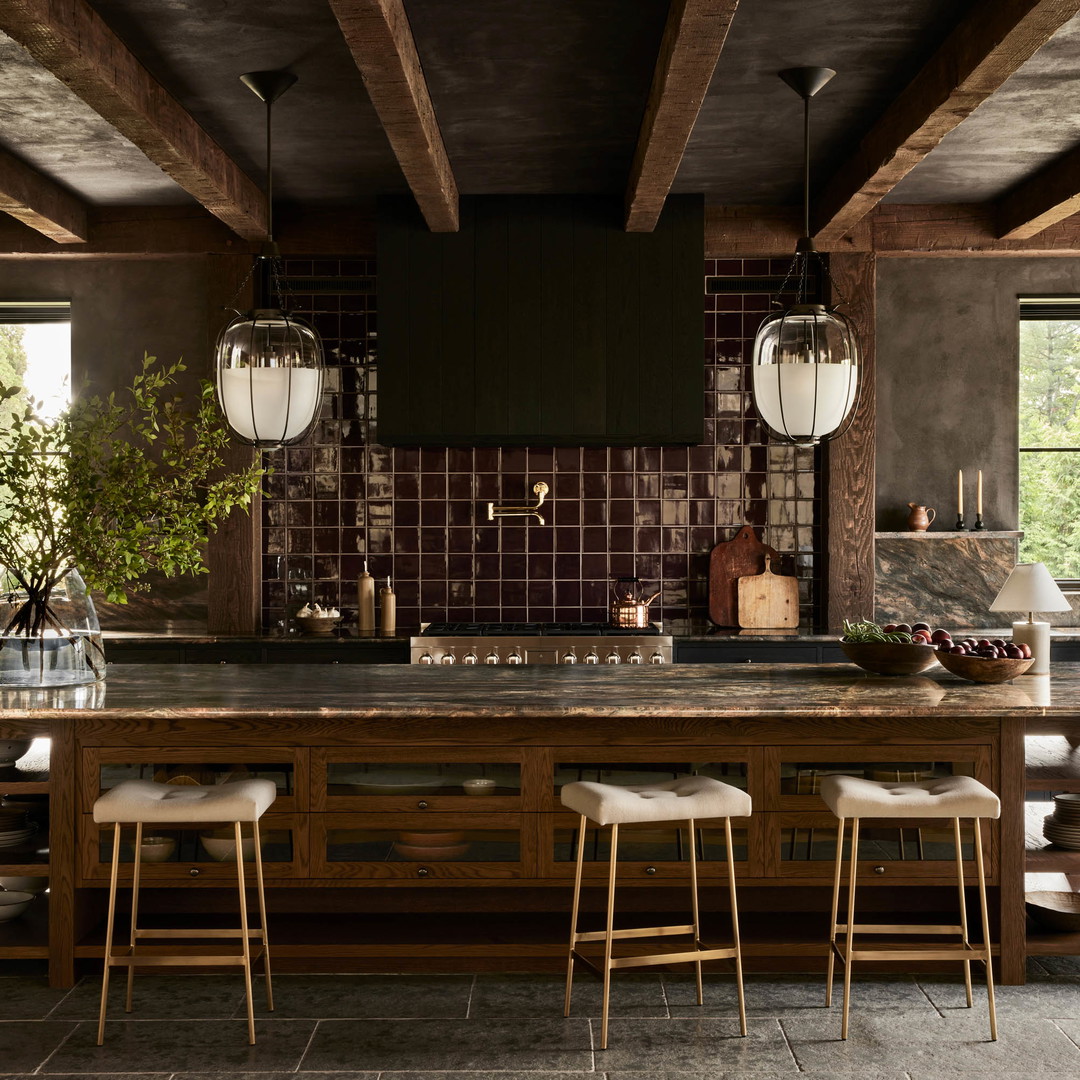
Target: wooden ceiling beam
(995, 39)
(380, 39)
(694, 36)
(69, 39)
(1050, 196)
(35, 200)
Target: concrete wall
(947, 381)
(119, 309)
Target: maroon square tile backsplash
(419, 515)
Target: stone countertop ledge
(138, 692)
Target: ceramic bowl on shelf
(156, 848)
(982, 670)
(33, 885)
(480, 785)
(13, 904)
(889, 657)
(12, 749)
(220, 844)
(1058, 911)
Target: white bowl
(13, 749)
(479, 786)
(156, 848)
(13, 904)
(222, 848)
(33, 885)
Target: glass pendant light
(269, 364)
(805, 367)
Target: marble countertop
(375, 691)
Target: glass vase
(59, 644)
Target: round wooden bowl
(979, 669)
(890, 658)
(1058, 911)
(317, 624)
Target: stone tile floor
(510, 1027)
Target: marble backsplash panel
(949, 579)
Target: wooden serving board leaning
(768, 601)
(743, 554)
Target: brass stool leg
(963, 907)
(694, 908)
(244, 930)
(607, 938)
(113, 877)
(734, 925)
(986, 928)
(574, 916)
(850, 925)
(262, 917)
(134, 911)
(835, 909)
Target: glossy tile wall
(419, 515)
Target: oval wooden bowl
(1058, 911)
(890, 658)
(979, 669)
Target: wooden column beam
(35, 200)
(69, 39)
(974, 60)
(380, 38)
(849, 462)
(693, 38)
(1048, 197)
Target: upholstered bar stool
(139, 802)
(688, 799)
(954, 797)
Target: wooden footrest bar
(257, 933)
(644, 931)
(690, 957)
(890, 928)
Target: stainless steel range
(539, 643)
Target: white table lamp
(1030, 588)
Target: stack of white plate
(1062, 827)
(14, 828)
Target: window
(35, 350)
(1050, 434)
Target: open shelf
(1052, 763)
(1041, 855)
(27, 937)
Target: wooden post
(848, 472)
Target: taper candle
(978, 495)
(960, 493)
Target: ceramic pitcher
(920, 517)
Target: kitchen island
(380, 854)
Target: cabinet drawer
(103, 767)
(199, 854)
(891, 852)
(421, 847)
(474, 779)
(648, 851)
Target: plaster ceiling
(540, 97)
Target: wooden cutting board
(768, 601)
(743, 554)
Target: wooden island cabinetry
(418, 822)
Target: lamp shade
(269, 377)
(804, 372)
(1030, 588)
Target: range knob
(448, 657)
(569, 657)
(469, 658)
(613, 658)
(492, 657)
(657, 657)
(514, 657)
(426, 658)
(634, 658)
(591, 657)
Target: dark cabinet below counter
(135, 651)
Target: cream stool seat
(954, 797)
(685, 798)
(139, 802)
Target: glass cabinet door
(650, 851)
(891, 852)
(287, 768)
(447, 779)
(419, 846)
(204, 852)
